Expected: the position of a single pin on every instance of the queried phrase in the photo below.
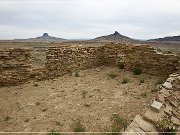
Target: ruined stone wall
(144, 57)
(15, 66)
(64, 59)
(164, 108)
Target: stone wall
(144, 57)
(15, 66)
(64, 59)
(164, 108)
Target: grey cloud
(89, 18)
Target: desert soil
(92, 98)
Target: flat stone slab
(167, 85)
(175, 120)
(145, 125)
(170, 79)
(133, 129)
(153, 116)
(174, 75)
(156, 105)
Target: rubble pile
(164, 108)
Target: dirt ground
(92, 98)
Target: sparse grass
(144, 94)
(87, 104)
(38, 103)
(141, 80)
(77, 74)
(125, 80)
(137, 71)
(44, 110)
(7, 118)
(84, 93)
(78, 127)
(54, 132)
(118, 123)
(159, 81)
(120, 65)
(58, 123)
(112, 74)
(26, 120)
(166, 125)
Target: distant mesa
(167, 39)
(117, 37)
(46, 36)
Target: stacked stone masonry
(165, 106)
(15, 66)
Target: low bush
(78, 127)
(120, 65)
(125, 80)
(166, 126)
(112, 74)
(137, 71)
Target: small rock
(160, 98)
(174, 75)
(167, 85)
(168, 110)
(171, 80)
(174, 103)
(176, 113)
(156, 105)
(175, 121)
(35, 84)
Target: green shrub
(167, 126)
(118, 123)
(77, 74)
(125, 80)
(137, 71)
(112, 74)
(78, 127)
(120, 65)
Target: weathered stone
(165, 92)
(174, 75)
(144, 125)
(170, 79)
(173, 102)
(168, 109)
(167, 85)
(156, 105)
(175, 120)
(160, 98)
(133, 129)
(153, 116)
(177, 114)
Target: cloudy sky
(140, 19)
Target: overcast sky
(140, 19)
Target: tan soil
(56, 104)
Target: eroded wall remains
(15, 66)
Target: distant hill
(169, 39)
(44, 38)
(115, 37)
